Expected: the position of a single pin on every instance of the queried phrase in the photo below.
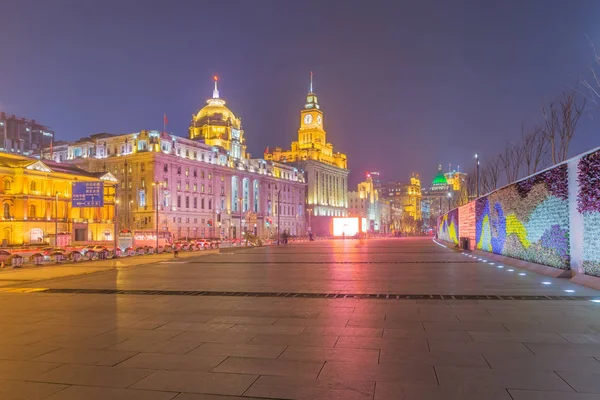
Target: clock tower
(311, 133)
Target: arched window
(7, 184)
(32, 211)
(6, 211)
(32, 186)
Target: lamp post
(56, 219)
(278, 212)
(241, 200)
(115, 222)
(477, 175)
(449, 197)
(309, 224)
(156, 193)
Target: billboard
(87, 194)
(348, 226)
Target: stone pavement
(445, 326)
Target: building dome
(216, 112)
(439, 180)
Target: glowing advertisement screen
(348, 226)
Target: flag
(51, 150)
(165, 122)
(267, 150)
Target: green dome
(440, 179)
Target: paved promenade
(388, 319)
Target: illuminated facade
(326, 171)
(405, 204)
(446, 191)
(364, 202)
(207, 186)
(36, 198)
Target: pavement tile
(321, 354)
(17, 390)
(582, 338)
(309, 389)
(537, 395)
(242, 320)
(468, 326)
(143, 334)
(86, 356)
(194, 396)
(103, 393)
(552, 328)
(94, 376)
(519, 337)
(565, 349)
(544, 363)
(582, 381)
(98, 343)
(311, 322)
(263, 366)
(149, 346)
(23, 352)
(337, 331)
(267, 330)
(381, 343)
(516, 379)
(197, 382)
(24, 370)
(214, 337)
(397, 372)
(239, 350)
(406, 391)
(178, 362)
(459, 336)
(296, 340)
(194, 327)
(432, 358)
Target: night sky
(404, 85)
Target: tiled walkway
(63, 346)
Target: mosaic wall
(528, 220)
(448, 227)
(588, 205)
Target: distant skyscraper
(23, 136)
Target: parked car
(93, 247)
(48, 252)
(4, 256)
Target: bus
(140, 238)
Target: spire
(216, 91)
(310, 90)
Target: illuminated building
(447, 190)
(326, 171)
(405, 200)
(364, 203)
(23, 136)
(32, 193)
(207, 185)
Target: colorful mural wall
(528, 220)
(551, 218)
(588, 204)
(448, 227)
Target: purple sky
(404, 85)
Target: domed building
(439, 183)
(217, 125)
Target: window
(202, 174)
(179, 170)
(202, 188)
(210, 204)
(173, 219)
(195, 202)
(195, 187)
(187, 186)
(143, 182)
(187, 202)
(209, 189)
(142, 167)
(32, 186)
(179, 219)
(195, 220)
(142, 198)
(187, 172)
(222, 190)
(178, 185)
(187, 153)
(7, 185)
(32, 211)
(222, 178)
(178, 201)
(166, 183)
(195, 173)
(166, 168)
(195, 154)
(209, 175)
(202, 204)
(6, 211)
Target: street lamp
(241, 200)
(278, 212)
(477, 175)
(449, 197)
(56, 219)
(156, 190)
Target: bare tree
(490, 175)
(560, 124)
(511, 160)
(535, 149)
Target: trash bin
(464, 243)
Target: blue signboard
(88, 194)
